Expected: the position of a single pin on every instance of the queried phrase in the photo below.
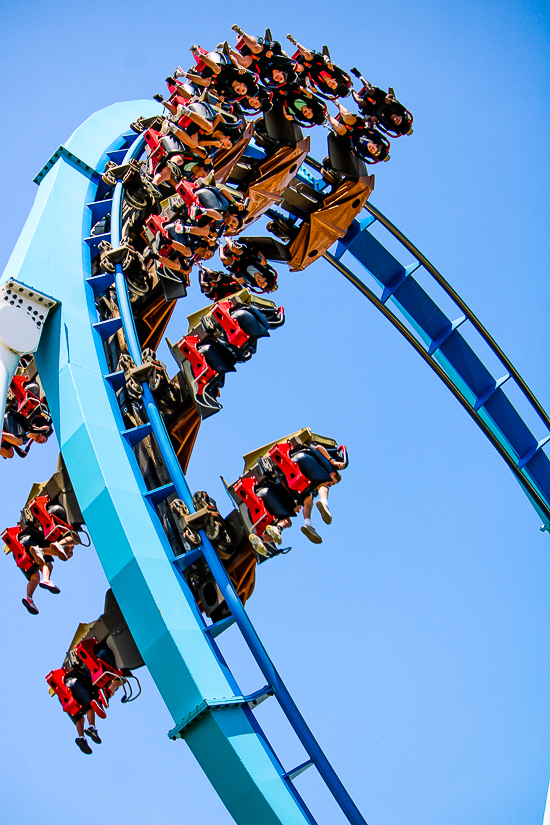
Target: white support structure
(23, 313)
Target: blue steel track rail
(275, 686)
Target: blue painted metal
(219, 627)
(94, 240)
(476, 323)
(137, 434)
(354, 230)
(435, 345)
(187, 559)
(159, 494)
(64, 154)
(398, 282)
(252, 700)
(106, 329)
(99, 283)
(488, 393)
(298, 770)
(115, 379)
(100, 209)
(533, 451)
(117, 156)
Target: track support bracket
(207, 705)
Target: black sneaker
(93, 734)
(82, 743)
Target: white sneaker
(257, 544)
(326, 515)
(48, 585)
(312, 534)
(61, 551)
(274, 533)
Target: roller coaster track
(439, 342)
(208, 708)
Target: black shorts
(172, 145)
(35, 568)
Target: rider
(329, 79)
(331, 465)
(17, 431)
(253, 52)
(217, 284)
(79, 682)
(365, 141)
(383, 109)
(248, 265)
(260, 102)
(13, 434)
(223, 75)
(302, 105)
(319, 464)
(43, 552)
(36, 545)
(322, 490)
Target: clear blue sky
(415, 639)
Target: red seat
(186, 190)
(56, 680)
(156, 224)
(236, 336)
(23, 558)
(198, 59)
(202, 373)
(295, 479)
(177, 99)
(102, 672)
(27, 402)
(157, 151)
(54, 528)
(259, 515)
